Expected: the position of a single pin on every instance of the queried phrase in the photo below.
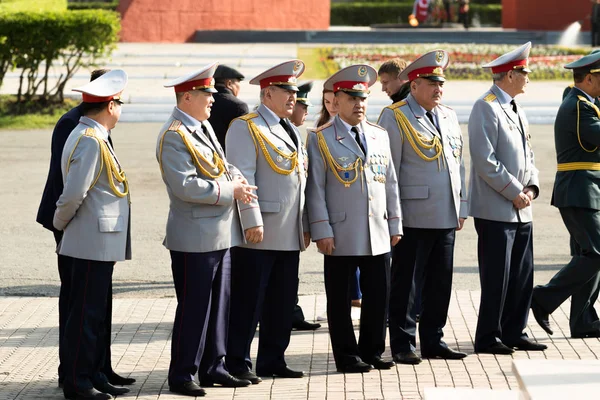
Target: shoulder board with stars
(324, 126)
(490, 97)
(175, 125)
(248, 117)
(396, 105)
(90, 132)
(375, 125)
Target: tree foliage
(35, 44)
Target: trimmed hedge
(93, 5)
(365, 14)
(34, 42)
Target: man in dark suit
(227, 106)
(576, 194)
(595, 18)
(45, 215)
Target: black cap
(302, 95)
(225, 72)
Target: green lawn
(32, 5)
(34, 117)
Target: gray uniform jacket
(94, 219)
(203, 215)
(280, 205)
(502, 161)
(432, 193)
(361, 217)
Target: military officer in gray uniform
(93, 212)
(503, 184)
(427, 147)
(267, 149)
(203, 223)
(577, 196)
(354, 213)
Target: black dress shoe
(496, 348)
(408, 357)
(583, 335)
(541, 317)
(282, 372)
(118, 380)
(358, 367)
(189, 388)
(380, 363)
(527, 344)
(110, 389)
(225, 381)
(248, 376)
(305, 326)
(443, 352)
(85, 394)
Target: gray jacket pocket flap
(110, 224)
(336, 217)
(414, 192)
(269, 206)
(208, 211)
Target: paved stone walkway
(141, 348)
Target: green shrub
(35, 42)
(93, 5)
(364, 14)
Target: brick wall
(545, 15)
(177, 20)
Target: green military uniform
(577, 196)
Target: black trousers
(201, 284)
(64, 272)
(85, 334)
(297, 313)
(580, 278)
(374, 284)
(433, 251)
(264, 285)
(505, 254)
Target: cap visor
(288, 87)
(363, 95)
(306, 103)
(436, 78)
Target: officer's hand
(395, 239)
(521, 201)
(326, 246)
(530, 193)
(461, 223)
(306, 239)
(255, 234)
(242, 191)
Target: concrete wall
(177, 20)
(545, 15)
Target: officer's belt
(579, 166)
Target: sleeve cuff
(395, 226)
(250, 216)
(320, 230)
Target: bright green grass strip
(32, 5)
(37, 118)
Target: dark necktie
(430, 117)
(514, 106)
(289, 131)
(207, 134)
(358, 140)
